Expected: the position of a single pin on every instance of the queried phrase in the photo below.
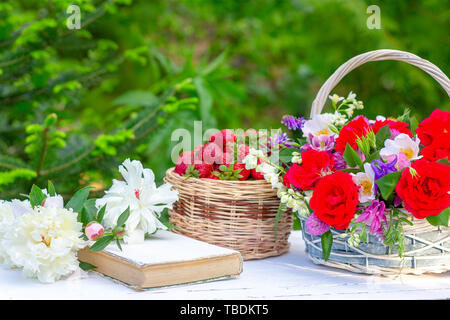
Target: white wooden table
(290, 276)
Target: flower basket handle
(376, 55)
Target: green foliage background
(137, 70)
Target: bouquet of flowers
(41, 235)
(361, 176)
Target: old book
(164, 260)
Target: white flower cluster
(350, 103)
(293, 201)
(42, 241)
(270, 173)
(251, 160)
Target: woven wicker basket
(427, 248)
(239, 215)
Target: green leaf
(102, 243)
(88, 211)
(123, 218)
(213, 65)
(326, 241)
(51, 189)
(101, 214)
(118, 244)
(351, 157)
(373, 156)
(441, 219)
(36, 196)
(444, 161)
(86, 266)
(78, 199)
(387, 183)
(206, 101)
(381, 136)
(137, 98)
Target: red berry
(184, 160)
(257, 175)
(204, 169)
(211, 153)
(243, 151)
(222, 137)
(245, 173)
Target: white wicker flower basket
(427, 248)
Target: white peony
(140, 194)
(9, 212)
(44, 243)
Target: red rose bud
(358, 127)
(94, 230)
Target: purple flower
(315, 226)
(277, 139)
(320, 143)
(293, 123)
(373, 216)
(381, 169)
(339, 161)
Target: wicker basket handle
(376, 55)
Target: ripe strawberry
(257, 175)
(204, 169)
(211, 153)
(184, 160)
(245, 173)
(212, 176)
(223, 137)
(243, 151)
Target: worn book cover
(165, 259)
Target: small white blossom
(335, 98)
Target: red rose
(434, 134)
(439, 149)
(427, 192)
(315, 164)
(436, 125)
(399, 126)
(358, 127)
(335, 199)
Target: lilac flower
(320, 143)
(373, 216)
(293, 123)
(381, 169)
(339, 161)
(315, 226)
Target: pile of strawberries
(221, 159)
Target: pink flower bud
(94, 230)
